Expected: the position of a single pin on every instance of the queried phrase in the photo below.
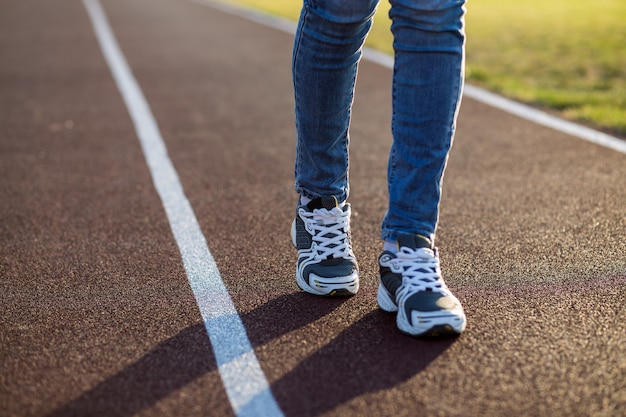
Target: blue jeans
(428, 78)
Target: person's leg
(326, 53)
(427, 83)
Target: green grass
(565, 55)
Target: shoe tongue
(328, 202)
(414, 242)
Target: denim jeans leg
(428, 77)
(326, 53)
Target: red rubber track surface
(97, 314)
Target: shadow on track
(179, 360)
(169, 366)
(370, 355)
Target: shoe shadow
(369, 356)
(285, 314)
(166, 368)
(181, 359)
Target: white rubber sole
(330, 287)
(423, 323)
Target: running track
(109, 304)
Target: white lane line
(545, 119)
(246, 386)
(471, 91)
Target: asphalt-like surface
(98, 317)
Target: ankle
(390, 246)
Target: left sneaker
(411, 285)
(326, 264)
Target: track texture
(98, 316)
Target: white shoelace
(329, 229)
(420, 269)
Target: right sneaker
(411, 285)
(326, 264)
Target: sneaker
(410, 284)
(326, 263)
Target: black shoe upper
(426, 300)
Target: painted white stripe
(545, 119)
(473, 92)
(244, 381)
